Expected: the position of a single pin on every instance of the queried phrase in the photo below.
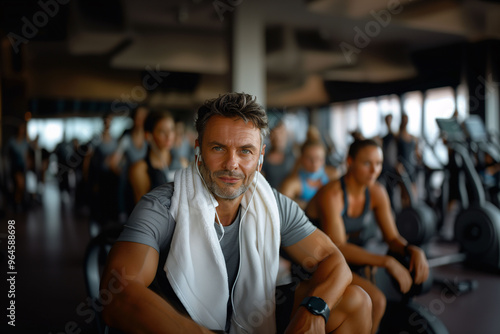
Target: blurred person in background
(159, 164)
(132, 147)
(280, 159)
(102, 180)
(312, 173)
(17, 155)
(409, 159)
(63, 152)
(389, 175)
(184, 145)
(346, 210)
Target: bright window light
(52, 131)
(439, 103)
(369, 113)
(48, 131)
(390, 105)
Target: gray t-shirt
(151, 223)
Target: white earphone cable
(249, 202)
(215, 207)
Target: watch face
(317, 305)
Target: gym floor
(476, 311)
(50, 295)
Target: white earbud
(261, 160)
(197, 153)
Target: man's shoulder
(279, 196)
(162, 194)
(284, 203)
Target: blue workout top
(311, 182)
(354, 226)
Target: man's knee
(357, 300)
(354, 312)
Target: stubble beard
(226, 193)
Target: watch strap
(316, 306)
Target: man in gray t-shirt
(201, 254)
(151, 224)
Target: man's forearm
(330, 279)
(137, 309)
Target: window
(389, 105)
(297, 123)
(48, 131)
(439, 103)
(369, 114)
(368, 117)
(462, 102)
(344, 120)
(51, 131)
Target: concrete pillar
(248, 63)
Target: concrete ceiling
(339, 39)
(344, 40)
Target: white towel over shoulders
(195, 265)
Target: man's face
(230, 151)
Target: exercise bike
(477, 230)
(477, 226)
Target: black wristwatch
(316, 306)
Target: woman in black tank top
(343, 210)
(157, 167)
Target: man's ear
(262, 154)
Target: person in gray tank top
(342, 209)
(210, 211)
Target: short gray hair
(233, 105)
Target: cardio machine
(477, 226)
(477, 230)
(487, 154)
